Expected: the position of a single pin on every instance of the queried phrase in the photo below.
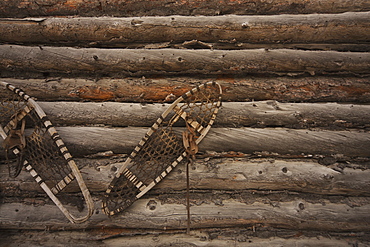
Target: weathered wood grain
(124, 62)
(344, 28)
(278, 210)
(24, 8)
(165, 89)
(322, 189)
(242, 240)
(343, 47)
(335, 177)
(237, 237)
(232, 114)
(90, 140)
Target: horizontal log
(90, 140)
(124, 62)
(123, 32)
(354, 47)
(232, 114)
(162, 89)
(242, 196)
(212, 237)
(332, 177)
(278, 210)
(234, 238)
(23, 8)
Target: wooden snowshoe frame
(44, 154)
(162, 148)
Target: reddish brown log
(165, 89)
(23, 8)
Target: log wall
(287, 161)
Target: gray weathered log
(22, 8)
(238, 237)
(163, 89)
(279, 210)
(232, 114)
(335, 177)
(89, 140)
(123, 32)
(201, 239)
(124, 62)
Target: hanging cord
(15, 139)
(191, 148)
